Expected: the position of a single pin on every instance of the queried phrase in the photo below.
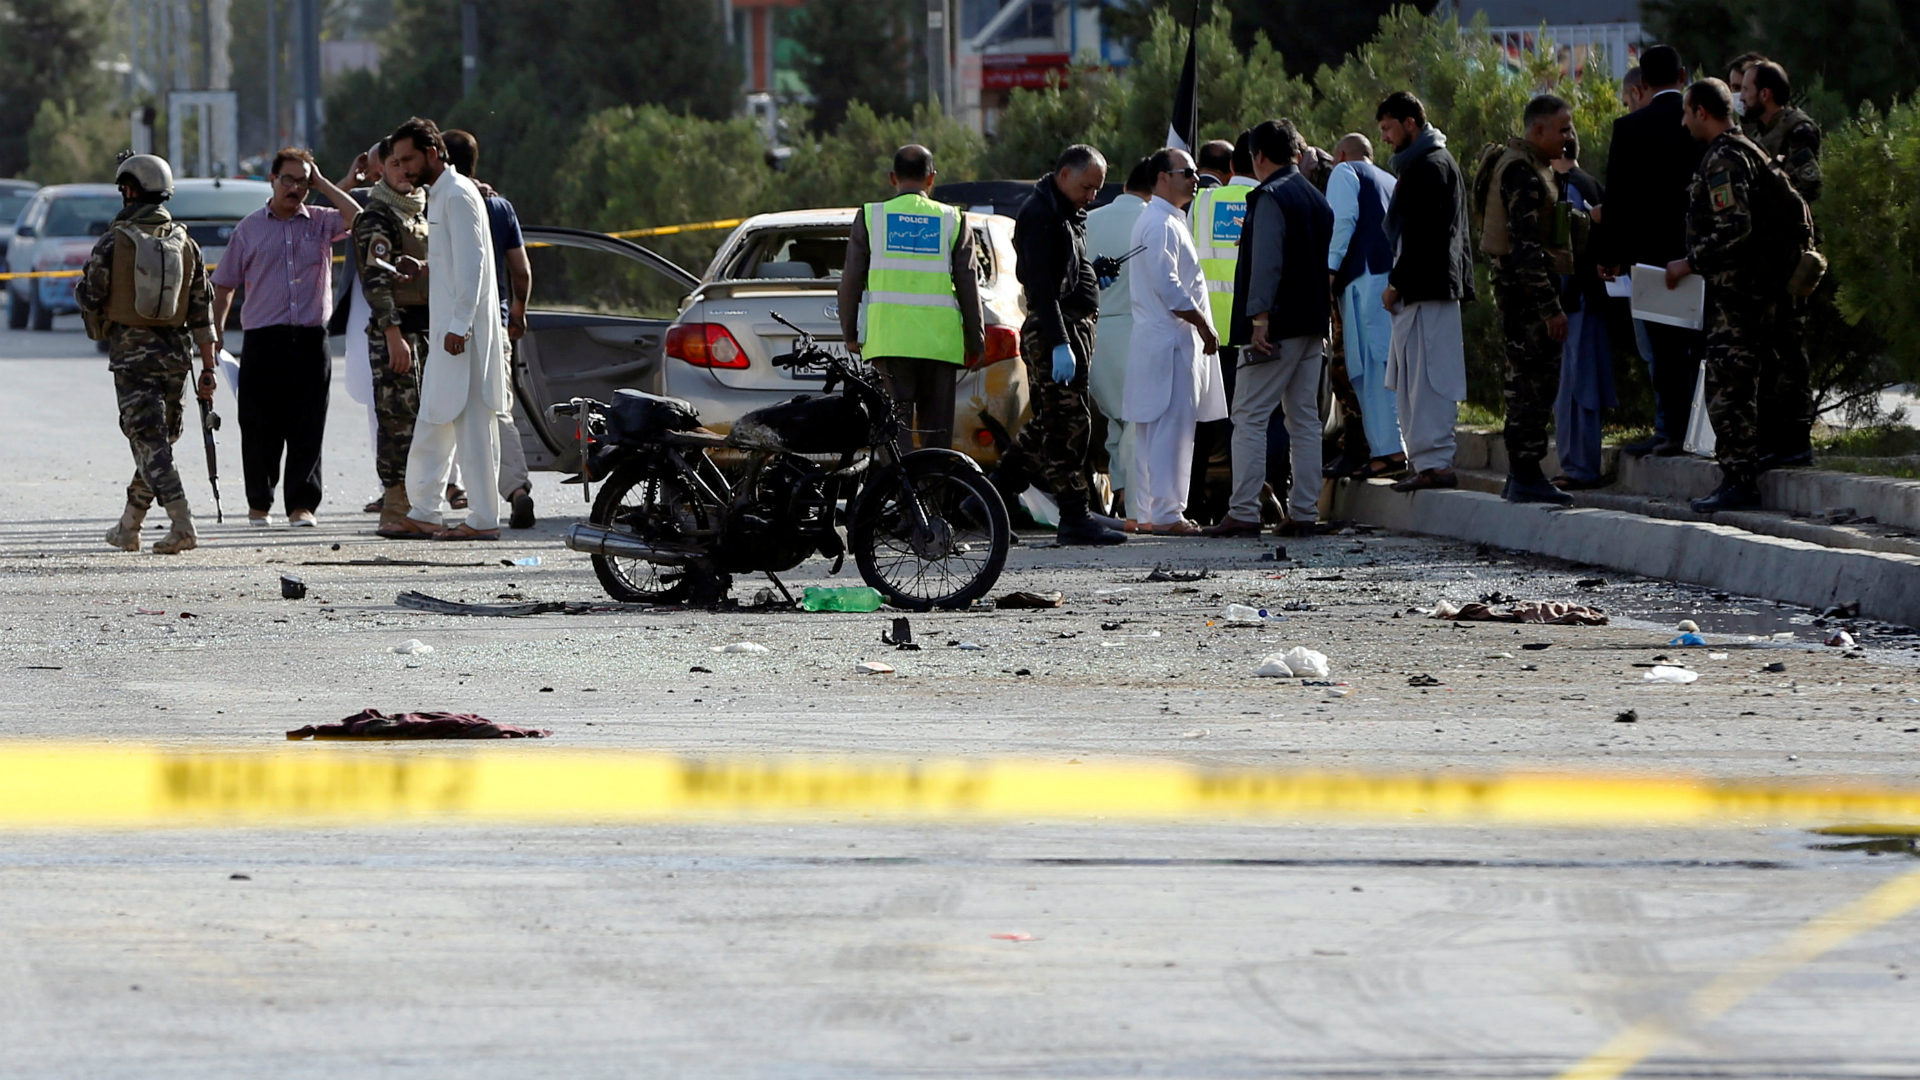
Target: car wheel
(40, 316)
(16, 311)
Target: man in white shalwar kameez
(463, 385)
(1173, 362)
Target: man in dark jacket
(1432, 274)
(1063, 306)
(1649, 166)
(1282, 308)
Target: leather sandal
(463, 531)
(409, 529)
(1183, 527)
(1381, 468)
(1232, 526)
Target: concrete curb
(1887, 586)
(1889, 500)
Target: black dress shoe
(1728, 496)
(1670, 448)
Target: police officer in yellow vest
(909, 298)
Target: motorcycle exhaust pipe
(600, 540)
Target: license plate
(780, 346)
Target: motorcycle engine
(780, 527)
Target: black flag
(1183, 131)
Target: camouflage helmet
(148, 172)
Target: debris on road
(1196, 733)
(1537, 646)
(526, 560)
(372, 724)
(1688, 640)
(419, 601)
(742, 647)
(1013, 937)
(1776, 667)
(1628, 716)
(1688, 626)
(1168, 573)
(292, 588)
(382, 560)
(1424, 680)
(857, 598)
(1840, 639)
(1242, 615)
(971, 646)
(412, 647)
(1306, 663)
(1591, 583)
(902, 635)
(874, 667)
(1665, 674)
(1273, 666)
(1547, 612)
(147, 611)
(1017, 600)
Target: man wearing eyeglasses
(283, 254)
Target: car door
(597, 322)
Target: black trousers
(286, 374)
(923, 392)
(1677, 353)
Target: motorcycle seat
(637, 416)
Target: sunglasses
(1188, 173)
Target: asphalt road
(861, 948)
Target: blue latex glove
(1063, 365)
(1107, 282)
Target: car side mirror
(23, 230)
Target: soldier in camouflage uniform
(1742, 310)
(1791, 139)
(1523, 230)
(150, 363)
(389, 241)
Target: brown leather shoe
(1296, 527)
(1231, 526)
(1425, 479)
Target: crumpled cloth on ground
(1530, 611)
(373, 724)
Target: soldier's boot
(125, 534)
(1526, 483)
(394, 507)
(1730, 495)
(183, 536)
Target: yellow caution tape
(627, 234)
(47, 784)
(669, 230)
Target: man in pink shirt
(283, 254)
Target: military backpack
(149, 275)
(1782, 225)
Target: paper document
(1683, 306)
(1621, 287)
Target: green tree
(850, 166)
(1869, 213)
(857, 50)
(47, 53)
(71, 144)
(532, 98)
(1858, 50)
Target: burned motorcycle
(684, 509)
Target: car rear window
(814, 253)
(229, 202)
(77, 215)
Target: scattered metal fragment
(1167, 573)
(1423, 680)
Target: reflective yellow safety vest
(909, 308)
(1217, 214)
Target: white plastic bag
(1665, 674)
(1307, 664)
(1273, 667)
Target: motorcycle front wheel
(655, 505)
(950, 562)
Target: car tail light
(706, 345)
(1003, 343)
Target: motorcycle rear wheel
(949, 569)
(639, 499)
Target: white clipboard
(1684, 305)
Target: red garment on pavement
(373, 724)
